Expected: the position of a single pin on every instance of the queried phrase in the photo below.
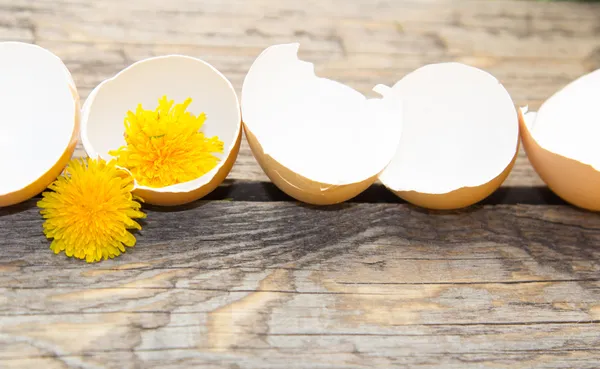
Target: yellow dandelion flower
(90, 209)
(165, 146)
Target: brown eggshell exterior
(181, 198)
(300, 187)
(571, 180)
(460, 198)
(50, 176)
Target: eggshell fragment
(562, 141)
(319, 141)
(40, 120)
(460, 137)
(144, 82)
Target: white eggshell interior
(38, 113)
(460, 129)
(145, 82)
(568, 123)
(316, 127)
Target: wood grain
(269, 283)
(534, 48)
(285, 285)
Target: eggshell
(319, 141)
(561, 141)
(144, 82)
(40, 120)
(460, 137)
(574, 181)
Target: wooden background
(250, 279)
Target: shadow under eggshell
(300, 187)
(571, 180)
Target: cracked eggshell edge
(460, 198)
(571, 180)
(300, 187)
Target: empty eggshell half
(460, 136)
(40, 120)
(144, 82)
(562, 141)
(318, 140)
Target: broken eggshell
(460, 137)
(40, 120)
(144, 82)
(319, 141)
(561, 141)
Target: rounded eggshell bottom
(180, 198)
(300, 187)
(571, 180)
(50, 176)
(460, 198)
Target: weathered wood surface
(268, 283)
(534, 48)
(238, 284)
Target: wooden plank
(534, 48)
(185, 343)
(269, 284)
